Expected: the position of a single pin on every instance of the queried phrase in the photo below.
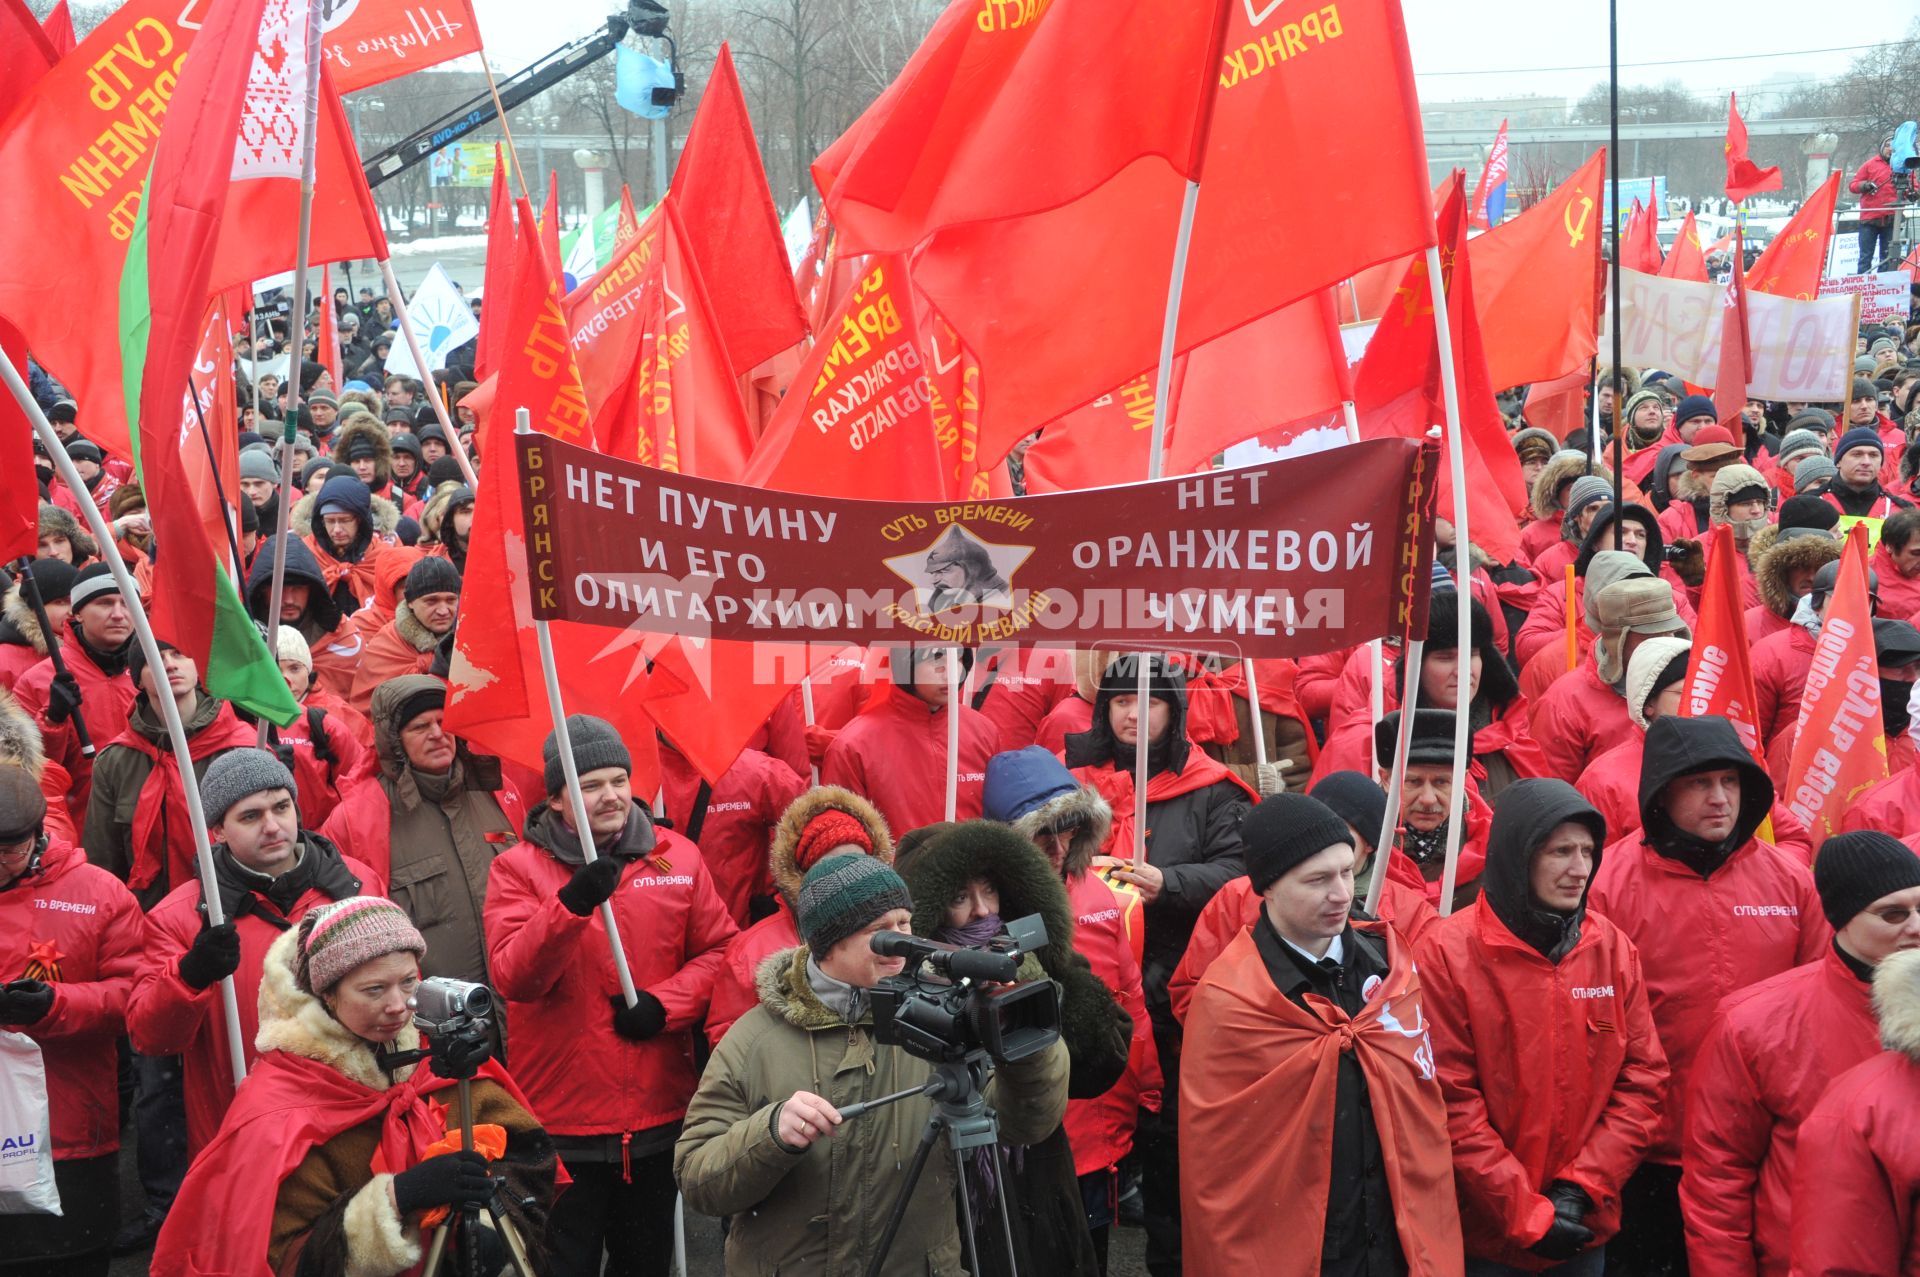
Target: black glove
(644, 1019)
(63, 698)
(1568, 1236)
(214, 956)
(451, 1179)
(591, 886)
(25, 1002)
(1868, 188)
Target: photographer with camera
(1873, 183)
(342, 1150)
(806, 1188)
(965, 879)
(610, 1081)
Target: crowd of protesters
(1654, 1029)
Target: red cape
(1116, 786)
(1256, 1061)
(222, 1219)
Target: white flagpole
(454, 445)
(1253, 707)
(953, 733)
(296, 327)
(1141, 701)
(1396, 777)
(169, 712)
(576, 804)
(1463, 575)
(806, 712)
(1170, 328)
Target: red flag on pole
(1793, 264)
(731, 227)
(1736, 349)
(1720, 669)
(497, 282)
(1397, 390)
(1640, 246)
(1840, 740)
(1533, 282)
(1744, 177)
(537, 370)
(1685, 260)
(1492, 175)
(59, 29)
(370, 44)
(550, 225)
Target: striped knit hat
(842, 894)
(338, 937)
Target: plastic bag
(26, 1135)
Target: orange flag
(1533, 282)
(1685, 260)
(1720, 669)
(1744, 177)
(1736, 348)
(1840, 741)
(1793, 264)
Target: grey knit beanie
(1811, 471)
(257, 463)
(431, 575)
(241, 773)
(1588, 487)
(595, 744)
(842, 894)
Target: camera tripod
(960, 1112)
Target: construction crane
(644, 18)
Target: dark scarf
(546, 829)
(244, 891)
(111, 663)
(1424, 848)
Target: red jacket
(1577, 719)
(1857, 1173)
(1540, 536)
(1235, 907)
(388, 655)
(1703, 938)
(1069, 717)
(1612, 784)
(105, 700)
(741, 813)
(168, 1016)
(1762, 621)
(1552, 1071)
(894, 754)
(556, 973)
(1027, 684)
(1892, 806)
(1899, 595)
(321, 780)
(1875, 205)
(1314, 686)
(1351, 748)
(734, 992)
(1780, 665)
(77, 928)
(1107, 927)
(1773, 1050)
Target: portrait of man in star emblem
(960, 570)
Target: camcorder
(952, 1001)
(457, 1018)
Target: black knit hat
(596, 743)
(447, 470)
(1285, 829)
(1854, 870)
(137, 658)
(1165, 681)
(53, 578)
(1432, 740)
(1356, 799)
(1807, 512)
(1672, 672)
(431, 575)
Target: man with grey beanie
(269, 873)
(610, 1081)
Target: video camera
(457, 1018)
(941, 1009)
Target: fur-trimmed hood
(1563, 467)
(939, 868)
(1031, 790)
(783, 988)
(439, 504)
(1086, 807)
(20, 736)
(368, 428)
(1896, 1001)
(1774, 561)
(793, 822)
(297, 1022)
(19, 615)
(386, 515)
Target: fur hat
(783, 850)
(1431, 742)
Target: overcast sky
(1465, 48)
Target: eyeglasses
(1895, 916)
(1061, 831)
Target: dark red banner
(1284, 559)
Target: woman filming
(337, 1156)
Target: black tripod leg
(1006, 1220)
(966, 1210)
(898, 1214)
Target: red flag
(26, 54)
(712, 698)
(1493, 175)
(1640, 246)
(210, 428)
(1720, 669)
(1284, 122)
(1397, 390)
(1840, 740)
(855, 423)
(1685, 260)
(732, 229)
(652, 365)
(550, 225)
(953, 404)
(1534, 283)
(627, 224)
(1736, 350)
(1009, 109)
(1744, 177)
(59, 29)
(1794, 263)
(497, 282)
(370, 44)
(537, 369)
(326, 332)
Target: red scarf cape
(1116, 786)
(1255, 1060)
(162, 834)
(222, 1219)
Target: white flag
(441, 319)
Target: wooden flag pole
(1463, 573)
(169, 712)
(576, 803)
